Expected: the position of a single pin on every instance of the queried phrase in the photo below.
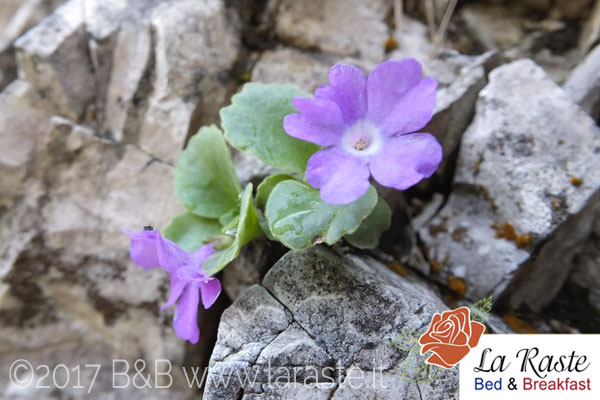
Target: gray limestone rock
(586, 269)
(293, 67)
(54, 58)
(492, 26)
(460, 80)
(144, 72)
(345, 27)
(195, 47)
(65, 275)
(329, 319)
(524, 188)
(16, 17)
(24, 121)
(590, 33)
(583, 85)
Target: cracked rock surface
(524, 191)
(324, 317)
(98, 97)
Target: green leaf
(205, 181)
(368, 233)
(254, 123)
(229, 217)
(262, 195)
(481, 309)
(189, 230)
(247, 229)
(299, 218)
(263, 191)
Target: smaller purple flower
(188, 281)
(366, 127)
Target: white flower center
(362, 139)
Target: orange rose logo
(450, 337)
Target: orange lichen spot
(457, 285)
(576, 181)
(435, 229)
(505, 230)
(523, 240)
(556, 203)
(390, 44)
(397, 267)
(518, 324)
(477, 166)
(459, 234)
(435, 265)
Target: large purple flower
(365, 126)
(188, 281)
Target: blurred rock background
(99, 97)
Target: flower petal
(200, 256)
(210, 290)
(186, 317)
(171, 256)
(412, 111)
(451, 354)
(463, 314)
(405, 160)
(477, 330)
(177, 286)
(320, 121)
(348, 89)
(437, 360)
(143, 250)
(341, 178)
(389, 82)
(461, 339)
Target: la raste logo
(449, 338)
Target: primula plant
(326, 147)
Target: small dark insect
(149, 228)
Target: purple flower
(188, 281)
(365, 127)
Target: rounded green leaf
(254, 123)
(247, 229)
(299, 218)
(368, 233)
(263, 191)
(205, 181)
(189, 230)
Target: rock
(318, 311)
(66, 233)
(572, 9)
(16, 17)
(413, 41)
(438, 8)
(345, 27)
(583, 84)
(54, 58)
(590, 33)
(493, 27)
(246, 270)
(460, 80)
(585, 273)
(138, 71)
(196, 45)
(539, 5)
(24, 123)
(289, 66)
(523, 191)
